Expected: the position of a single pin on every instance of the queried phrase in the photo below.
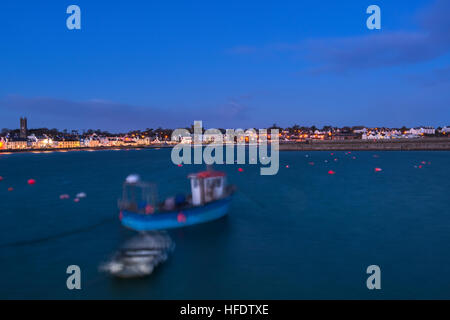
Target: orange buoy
(10, 189)
(31, 181)
(331, 172)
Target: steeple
(23, 127)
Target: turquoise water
(299, 234)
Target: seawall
(426, 144)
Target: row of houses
(286, 136)
(378, 134)
(45, 142)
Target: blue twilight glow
(139, 64)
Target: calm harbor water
(302, 233)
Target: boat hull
(176, 219)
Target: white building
(422, 130)
(186, 139)
(445, 130)
(372, 136)
(363, 130)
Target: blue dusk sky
(138, 64)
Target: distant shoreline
(49, 150)
(428, 144)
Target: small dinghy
(209, 199)
(140, 255)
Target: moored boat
(209, 199)
(140, 255)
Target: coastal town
(23, 139)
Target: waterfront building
(185, 139)
(92, 142)
(422, 130)
(143, 141)
(16, 144)
(39, 142)
(445, 130)
(67, 143)
(360, 131)
(157, 141)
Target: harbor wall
(361, 145)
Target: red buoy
(311, 163)
(31, 181)
(1, 178)
(378, 169)
(241, 170)
(10, 189)
(149, 209)
(287, 166)
(180, 165)
(331, 172)
(181, 218)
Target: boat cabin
(207, 186)
(138, 196)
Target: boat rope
(56, 236)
